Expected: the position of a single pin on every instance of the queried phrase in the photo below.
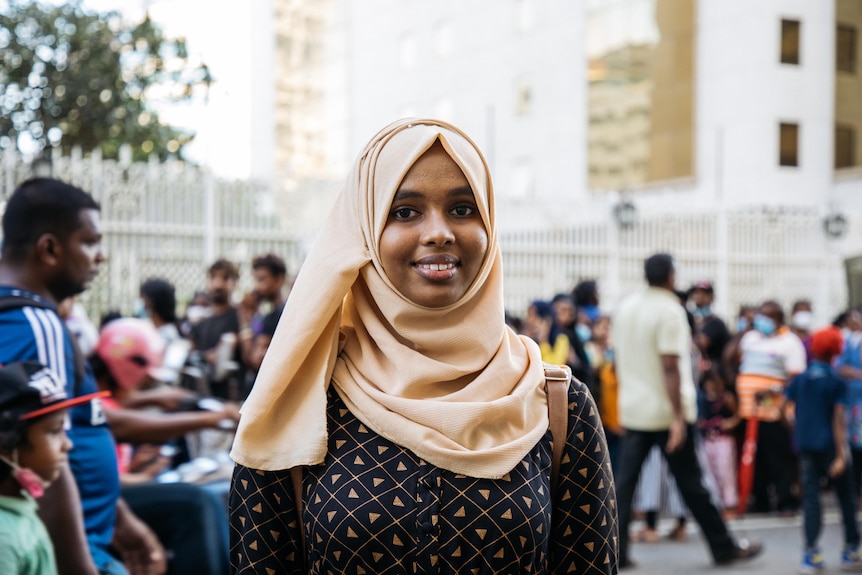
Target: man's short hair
(39, 206)
(228, 268)
(272, 262)
(658, 268)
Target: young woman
(419, 420)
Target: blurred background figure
(262, 305)
(159, 304)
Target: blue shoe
(812, 561)
(851, 558)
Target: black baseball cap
(28, 389)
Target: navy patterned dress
(374, 507)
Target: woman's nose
(437, 229)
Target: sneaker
(851, 558)
(812, 561)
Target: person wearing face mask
(710, 332)
(770, 354)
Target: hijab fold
(454, 385)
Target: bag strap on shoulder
(19, 300)
(557, 381)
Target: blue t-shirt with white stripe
(33, 333)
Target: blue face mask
(701, 312)
(583, 332)
(764, 325)
(741, 324)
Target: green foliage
(70, 77)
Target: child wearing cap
(33, 449)
(819, 397)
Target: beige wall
(848, 86)
(641, 92)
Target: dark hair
(776, 305)
(586, 293)
(272, 262)
(162, 298)
(657, 269)
(110, 316)
(222, 265)
(13, 435)
(40, 206)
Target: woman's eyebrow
(406, 194)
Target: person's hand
(148, 460)
(231, 411)
(676, 436)
(247, 308)
(139, 547)
(837, 467)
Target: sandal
(646, 535)
(678, 533)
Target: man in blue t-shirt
(51, 250)
(819, 397)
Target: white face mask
(196, 313)
(802, 320)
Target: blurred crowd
(741, 368)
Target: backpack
(18, 300)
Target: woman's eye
(464, 211)
(403, 213)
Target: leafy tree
(72, 77)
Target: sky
(218, 34)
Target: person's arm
(164, 397)
(839, 426)
(676, 434)
(133, 426)
(60, 511)
(139, 547)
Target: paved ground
(782, 538)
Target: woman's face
(434, 241)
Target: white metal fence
(168, 220)
(172, 220)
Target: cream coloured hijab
(454, 385)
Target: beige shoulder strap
(557, 380)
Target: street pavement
(781, 536)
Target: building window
(845, 146)
(845, 49)
(790, 41)
(788, 153)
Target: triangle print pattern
(374, 507)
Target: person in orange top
(770, 355)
